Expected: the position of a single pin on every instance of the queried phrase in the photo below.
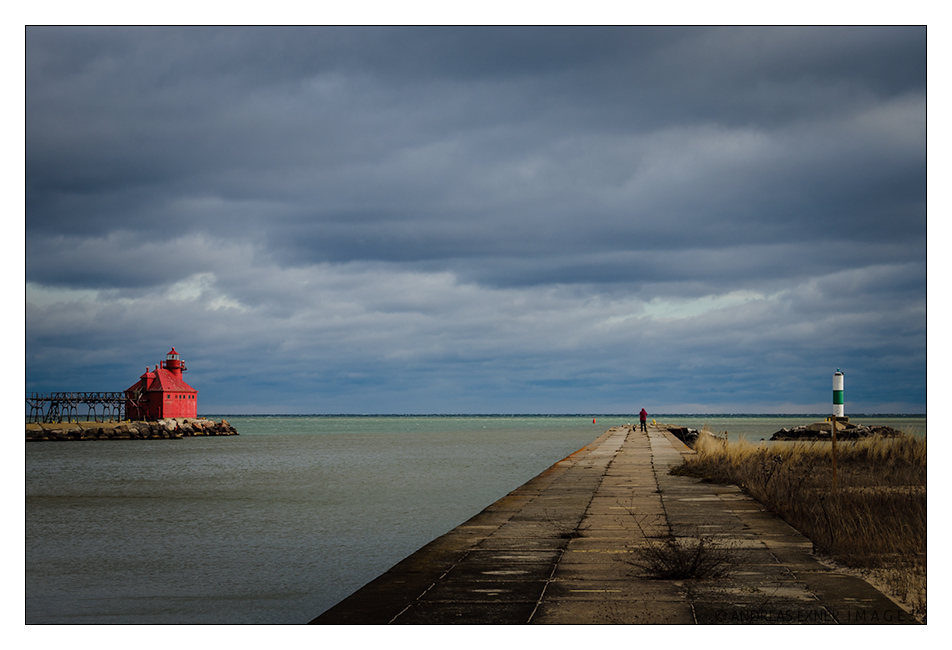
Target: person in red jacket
(644, 420)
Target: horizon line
(593, 414)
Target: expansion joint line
(427, 590)
(654, 470)
(555, 566)
(546, 585)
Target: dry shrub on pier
(874, 521)
(665, 556)
(674, 558)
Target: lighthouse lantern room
(162, 393)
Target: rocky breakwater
(166, 429)
(684, 434)
(844, 431)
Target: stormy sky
(480, 220)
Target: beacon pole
(837, 413)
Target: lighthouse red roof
(161, 380)
(166, 380)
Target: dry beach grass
(874, 522)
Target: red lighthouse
(162, 393)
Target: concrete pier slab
(569, 547)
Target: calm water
(277, 524)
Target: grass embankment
(875, 521)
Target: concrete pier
(563, 548)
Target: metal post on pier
(833, 442)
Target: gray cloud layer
(480, 220)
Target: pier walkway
(560, 549)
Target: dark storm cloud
(303, 180)
(119, 120)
